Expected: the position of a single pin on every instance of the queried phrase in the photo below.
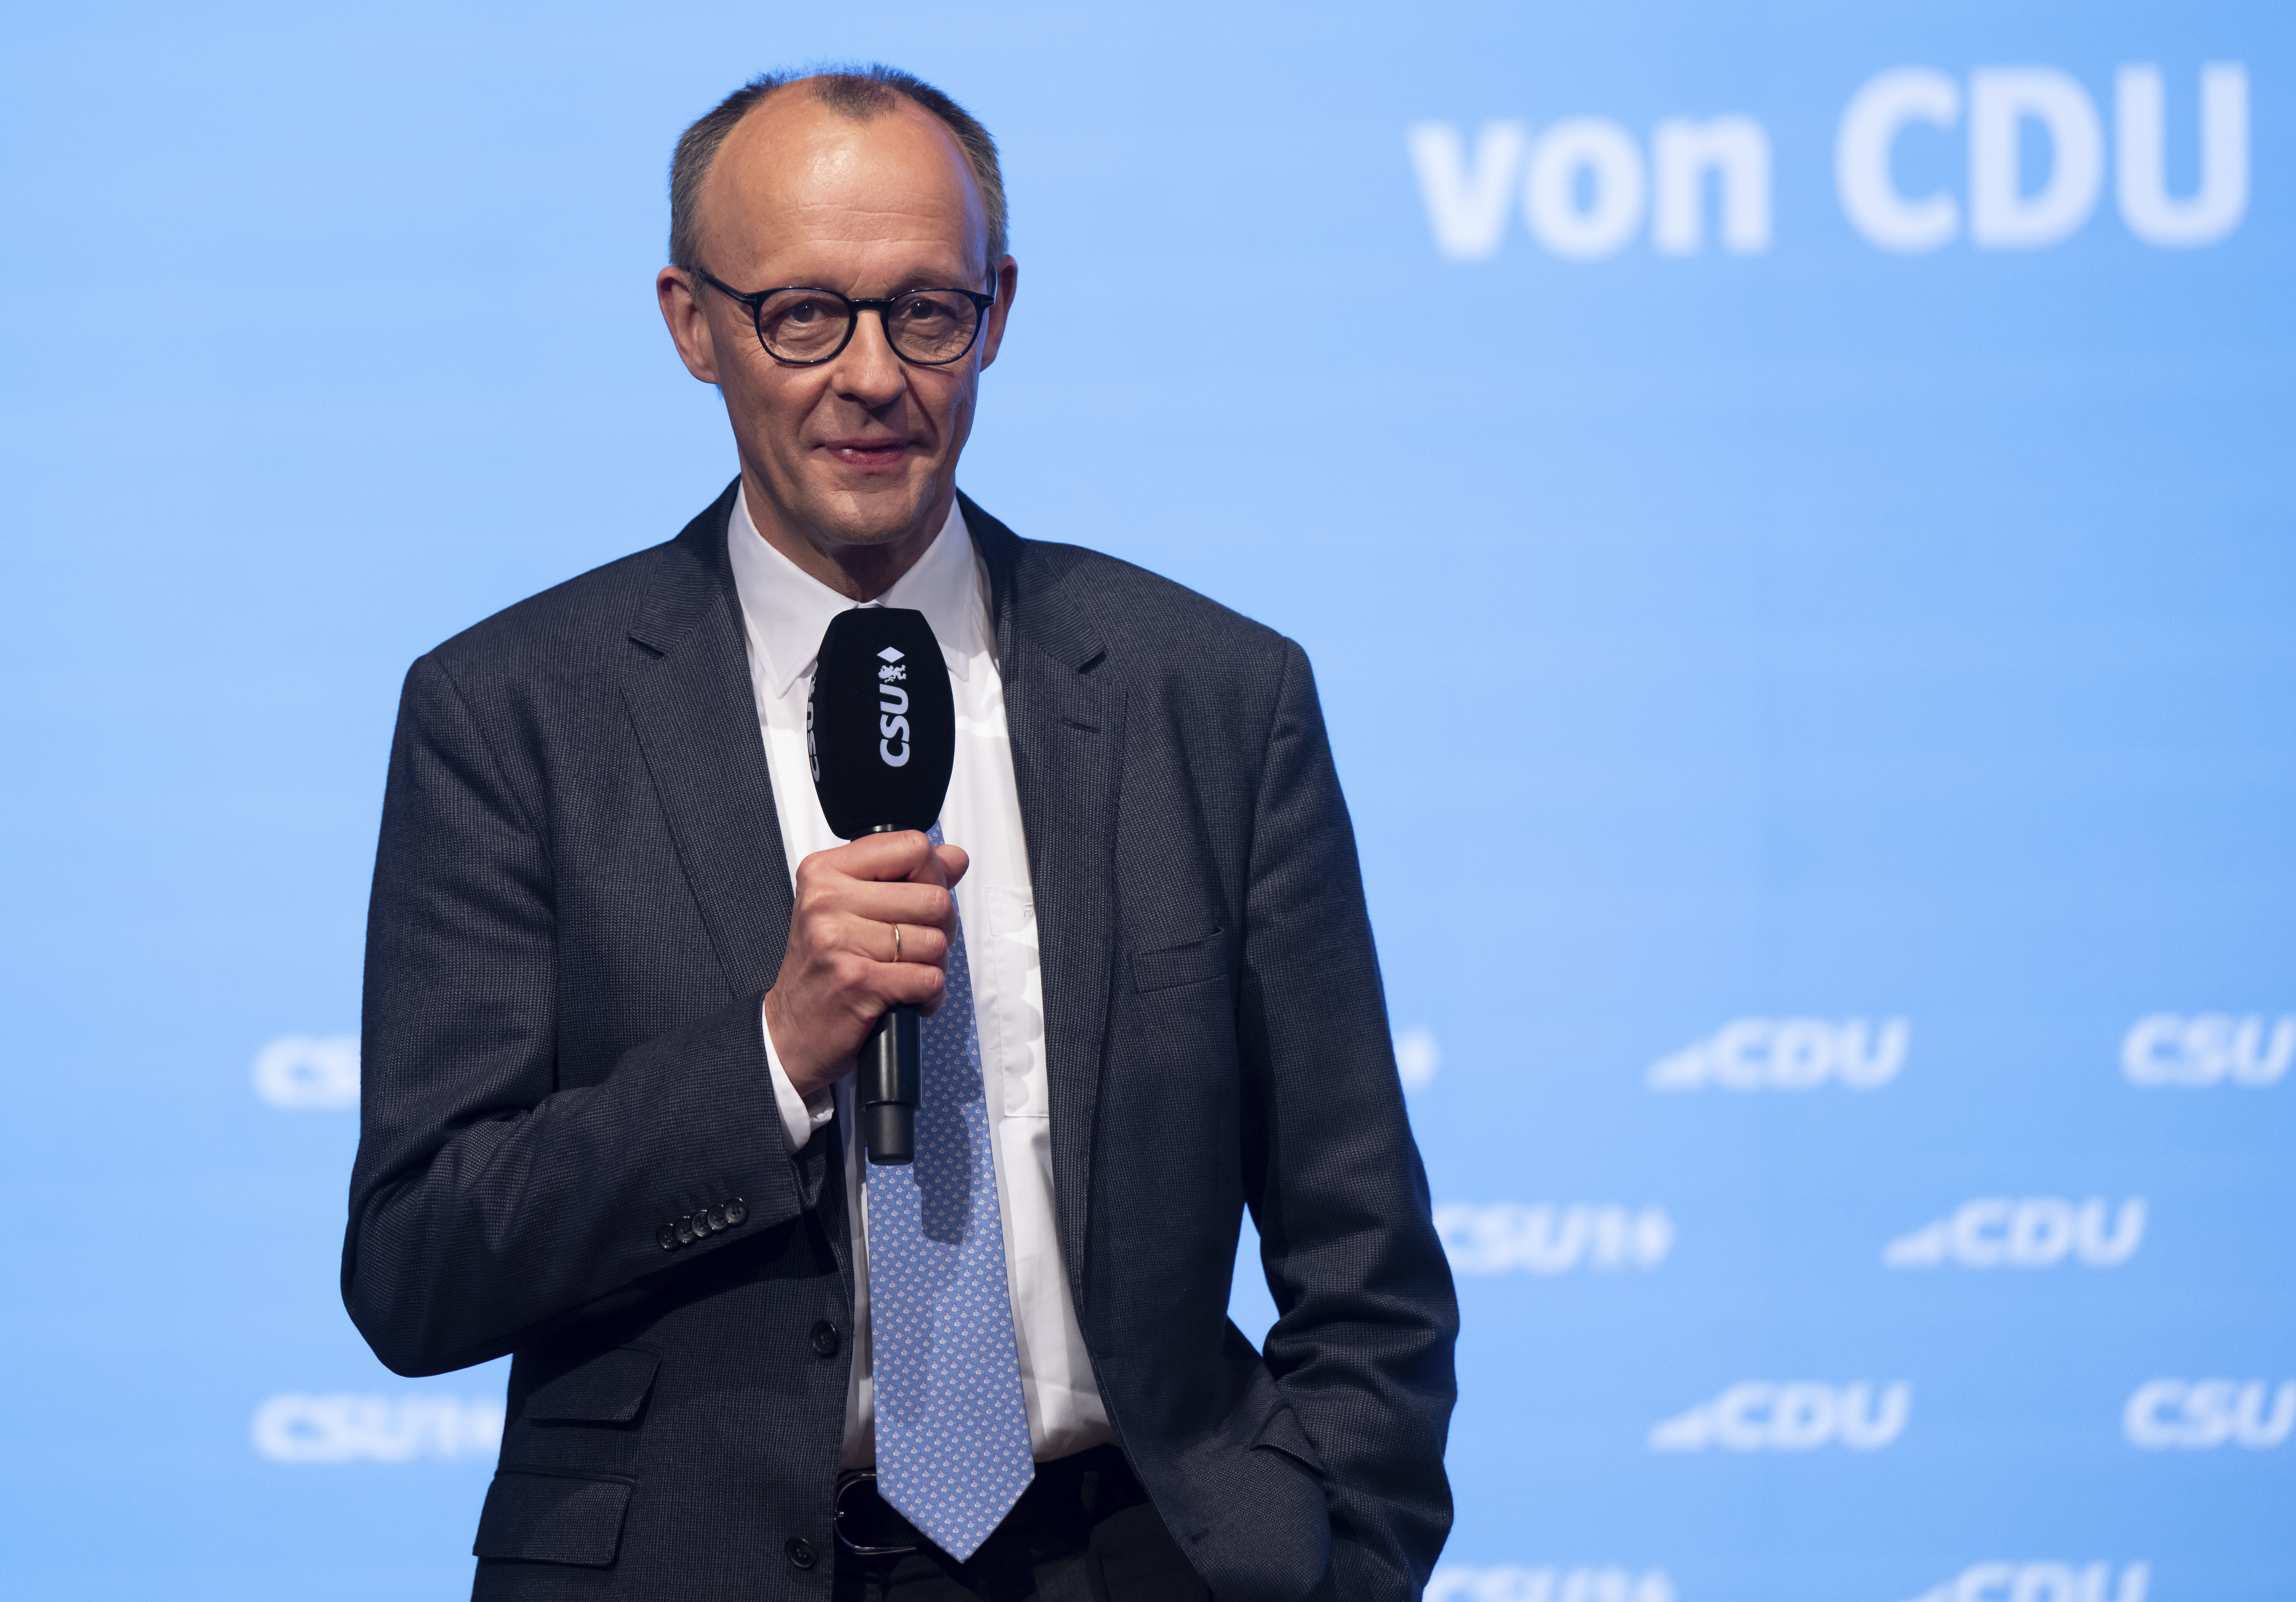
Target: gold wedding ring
(897, 942)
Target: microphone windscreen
(881, 724)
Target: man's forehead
(796, 151)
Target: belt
(1072, 1491)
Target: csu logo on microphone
(1797, 1415)
(882, 721)
(1788, 1054)
(1993, 1232)
(893, 709)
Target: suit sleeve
(1363, 1348)
(488, 1204)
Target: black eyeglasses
(804, 327)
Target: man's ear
(1008, 281)
(689, 324)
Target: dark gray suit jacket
(579, 899)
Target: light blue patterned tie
(951, 1431)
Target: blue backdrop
(1791, 505)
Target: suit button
(824, 1338)
(667, 1235)
(716, 1218)
(737, 1211)
(800, 1552)
(684, 1229)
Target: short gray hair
(860, 93)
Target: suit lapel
(689, 701)
(1065, 721)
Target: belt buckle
(858, 1497)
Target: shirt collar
(786, 610)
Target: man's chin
(876, 517)
(830, 509)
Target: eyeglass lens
(808, 326)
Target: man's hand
(843, 966)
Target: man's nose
(868, 370)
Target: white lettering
(1738, 151)
(2200, 1415)
(2036, 1233)
(1863, 1430)
(1863, 147)
(1504, 1236)
(896, 732)
(1860, 1072)
(2141, 1051)
(2042, 1583)
(1802, 1417)
(1417, 1056)
(2001, 101)
(1791, 1054)
(2099, 1250)
(1734, 1065)
(1985, 1582)
(343, 1428)
(2207, 1048)
(305, 1073)
(1585, 185)
(1735, 1423)
(2250, 1064)
(1605, 155)
(1467, 207)
(2141, 136)
(1801, 1054)
(1975, 1238)
(1453, 1582)
(2041, 1233)
(1797, 1417)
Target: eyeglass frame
(755, 300)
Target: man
(608, 1123)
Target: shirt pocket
(1014, 1013)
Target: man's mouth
(868, 454)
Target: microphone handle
(885, 1081)
(885, 1086)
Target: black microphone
(880, 730)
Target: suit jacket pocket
(1174, 965)
(587, 1421)
(1282, 1432)
(606, 1390)
(1278, 1548)
(552, 1518)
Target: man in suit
(607, 1122)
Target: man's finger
(953, 861)
(904, 854)
(911, 983)
(900, 902)
(916, 942)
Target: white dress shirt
(785, 611)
